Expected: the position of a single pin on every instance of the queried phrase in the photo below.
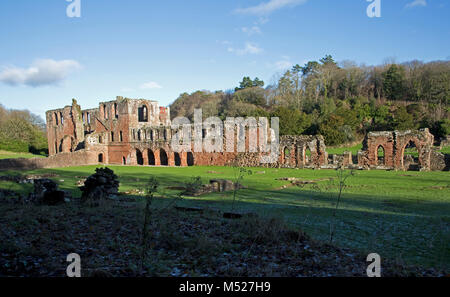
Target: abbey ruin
(139, 132)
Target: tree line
(341, 101)
(22, 131)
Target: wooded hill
(22, 131)
(342, 101)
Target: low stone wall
(78, 158)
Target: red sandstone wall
(78, 158)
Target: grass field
(340, 150)
(404, 216)
(13, 155)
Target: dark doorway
(163, 158)
(177, 159)
(151, 157)
(139, 158)
(190, 159)
(100, 158)
(124, 161)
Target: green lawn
(341, 150)
(401, 215)
(445, 150)
(13, 155)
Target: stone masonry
(139, 132)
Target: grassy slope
(401, 215)
(13, 155)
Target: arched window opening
(62, 118)
(380, 155)
(163, 158)
(105, 112)
(139, 158)
(287, 155)
(143, 114)
(100, 139)
(139, 135)
(177, 159)
(124, 160)
(112, 136)
(55, 117)
(151, 158)
(190, 159)
(121, 136)
(116, 112)
(307, 157)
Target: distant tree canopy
(342, 101)
(247, 82)
(22, 131)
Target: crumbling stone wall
(138, 132)
(394, 144)
(439, 161)
(302, 151)
(78, 158)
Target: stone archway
(151, 157)
(67, 144)
(139, 157)
(190, 159)
(410, 156)
(286, 155)
(380, 155)
(307, 156)
(164, 160)
(177, 159)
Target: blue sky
(160, 49)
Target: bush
(441, 129)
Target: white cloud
(266, 8)
(250, 48)
(42, 72)
(283, 65)
(417, 3)
(251, 30)
(150, 85)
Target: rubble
(104, 184)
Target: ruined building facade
(139, 132)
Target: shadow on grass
(417, 233)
